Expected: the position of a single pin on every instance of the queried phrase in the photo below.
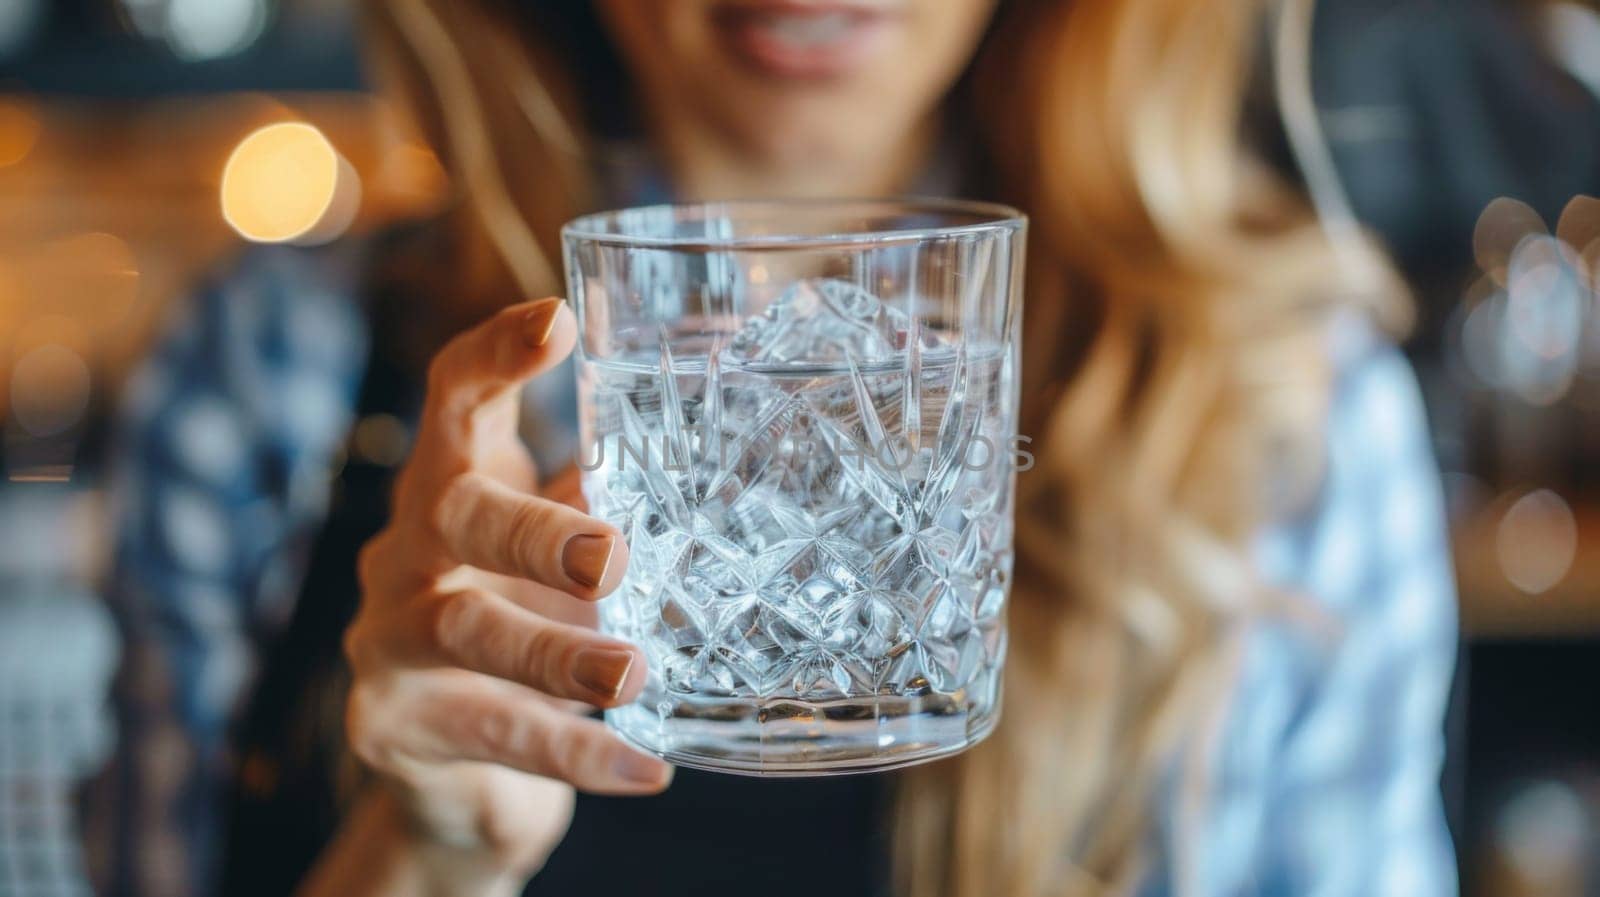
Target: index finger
(481, 369)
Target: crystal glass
(803, 417)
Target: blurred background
(142, 143)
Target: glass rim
(992, 217)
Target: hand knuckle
(353, 643)
(493, 729)
(369, 560)
(529, 529)
(450, 503)
(545, 654)
(402, 494)
(570, 752)
(450, 617)
(362, 732)
(449, 399)
(441, 370)
(558, 749)
(546, 642)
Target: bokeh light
(1475, 332)
(52, 329)
(1536, 541)
(211, 29)
(1579, 224)
(95, 274)
(19, 19)
(1579, 229)
(1547, 301)
(19, 131)
(412, 168)
(145, 17)
(1543, 831)
(286, 183)
(1502, 226)
(198, 30)
(13, 298)
(1571, 32)
(49, 390)
(1529, 327)
(381, 439)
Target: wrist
(383, 849)
(449, 857)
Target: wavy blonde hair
(1175, 381)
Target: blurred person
(1232, 627)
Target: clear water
(819, 554)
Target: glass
(802, 415)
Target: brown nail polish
(541, 320)
(642, 768)
(602, 670)
(586, 559)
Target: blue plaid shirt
(1324, 773)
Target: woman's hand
(473, 651)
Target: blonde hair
(1175, 384)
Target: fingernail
(541, 320)
(602, 670)
(586, 559)
(642, 768)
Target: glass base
(785, 737)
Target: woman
(1232, 627)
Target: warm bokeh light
(1579, 224)
(94, 274)
(1591, 264)
(412, 168)
(1579, 229)
(49, 390)
(13, 298)
(1530, 326)
(1502, 226)
(1536, 541)
(286, 183)
(381, 439)
(52, 329)
(19, 131)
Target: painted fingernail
(586, 559)
(541, 320)
(602, 670)
(644, 769)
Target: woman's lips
(785, 39)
